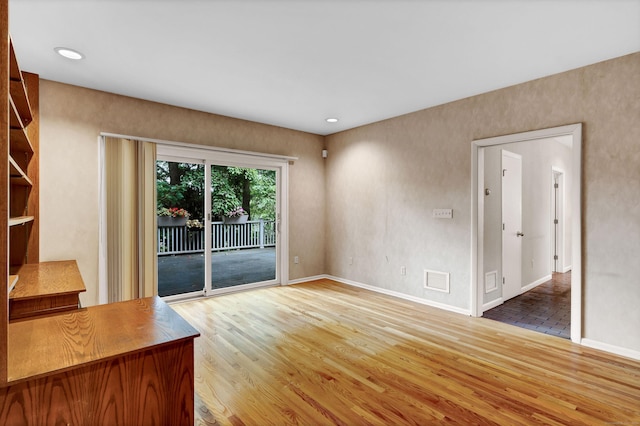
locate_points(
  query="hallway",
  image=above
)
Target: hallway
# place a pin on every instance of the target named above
(546, 308)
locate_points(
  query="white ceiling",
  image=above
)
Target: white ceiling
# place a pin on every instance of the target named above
(293, 63)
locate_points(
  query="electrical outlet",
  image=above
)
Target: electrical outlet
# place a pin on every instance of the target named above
(443, 213)
(296, 259)
(403, 270)
(351, 261)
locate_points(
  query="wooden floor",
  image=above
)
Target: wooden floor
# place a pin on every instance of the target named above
(324, 353)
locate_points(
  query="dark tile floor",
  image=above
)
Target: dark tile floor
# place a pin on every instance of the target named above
(546, 308)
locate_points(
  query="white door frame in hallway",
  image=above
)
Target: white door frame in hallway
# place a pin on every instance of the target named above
(477, 215)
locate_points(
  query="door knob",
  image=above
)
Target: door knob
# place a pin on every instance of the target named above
(519, 234)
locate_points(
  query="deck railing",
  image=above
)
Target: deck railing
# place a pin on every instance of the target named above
(225, 236)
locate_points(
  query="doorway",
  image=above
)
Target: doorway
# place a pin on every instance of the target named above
(221, 221)
(480, 288)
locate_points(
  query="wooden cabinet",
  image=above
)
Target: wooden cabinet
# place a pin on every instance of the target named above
(126, 363)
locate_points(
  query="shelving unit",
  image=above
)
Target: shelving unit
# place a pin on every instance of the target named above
(140, 348)
(23, 167)
(19, 176)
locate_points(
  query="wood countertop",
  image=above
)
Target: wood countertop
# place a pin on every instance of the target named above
(46, 279)
(46, 345)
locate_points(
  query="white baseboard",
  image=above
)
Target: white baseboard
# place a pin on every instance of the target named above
(566, 269)
(535, 284)
(307, 279)
(401, 295)
(629, 353)
(492, 304)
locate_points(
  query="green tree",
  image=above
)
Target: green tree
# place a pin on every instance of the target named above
(181, 185)
(263, 195)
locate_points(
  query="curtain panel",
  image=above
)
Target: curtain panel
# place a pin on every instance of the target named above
(130, 231)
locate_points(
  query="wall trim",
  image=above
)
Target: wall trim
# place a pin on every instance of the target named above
(307, 279)
(536, 283)
(492, 304)
(399, 295)
(617, 350)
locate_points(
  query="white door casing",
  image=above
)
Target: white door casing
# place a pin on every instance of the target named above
(574, 131)
(511, 224)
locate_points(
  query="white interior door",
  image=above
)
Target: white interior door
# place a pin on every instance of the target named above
(511, 224)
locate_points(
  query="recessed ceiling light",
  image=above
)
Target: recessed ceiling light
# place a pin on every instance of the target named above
(69, 53)
(332, 120)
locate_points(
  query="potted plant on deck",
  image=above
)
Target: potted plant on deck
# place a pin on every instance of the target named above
(172, 216)
(237, 215)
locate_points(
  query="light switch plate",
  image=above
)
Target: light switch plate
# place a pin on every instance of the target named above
(443, 213)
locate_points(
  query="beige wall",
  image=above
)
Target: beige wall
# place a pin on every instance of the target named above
(384, 179)
(381, 183)
(71, 120)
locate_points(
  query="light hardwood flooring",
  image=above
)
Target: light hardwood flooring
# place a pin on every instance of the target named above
(324, 353)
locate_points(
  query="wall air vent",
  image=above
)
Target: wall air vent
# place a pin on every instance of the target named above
(436, 280)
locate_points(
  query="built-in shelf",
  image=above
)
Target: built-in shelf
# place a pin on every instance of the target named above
(46, 288)
(14, 69)
(13, 279)
(15, 122)
(19, 97)
(20, 220)
(18, 176)
(18, 90)
(21, 181)
(20, 141)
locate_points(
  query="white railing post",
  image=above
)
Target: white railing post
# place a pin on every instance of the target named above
(261, 233)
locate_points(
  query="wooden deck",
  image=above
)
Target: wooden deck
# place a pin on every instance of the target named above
(324, 353)
(185, 273)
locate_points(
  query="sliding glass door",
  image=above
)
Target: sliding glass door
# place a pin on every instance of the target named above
(243, 247)
(225, 237)
(180, 216)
